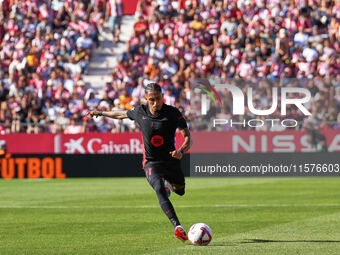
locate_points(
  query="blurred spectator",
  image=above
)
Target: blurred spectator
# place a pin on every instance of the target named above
(114, 13)
(73, 127)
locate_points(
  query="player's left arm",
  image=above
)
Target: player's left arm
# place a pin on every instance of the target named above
(178, 154)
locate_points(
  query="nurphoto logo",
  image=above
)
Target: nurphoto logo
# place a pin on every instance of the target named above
(281, 98)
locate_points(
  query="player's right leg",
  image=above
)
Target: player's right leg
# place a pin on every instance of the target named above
(153, 173)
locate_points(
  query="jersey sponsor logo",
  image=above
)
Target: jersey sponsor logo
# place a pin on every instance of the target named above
(157, 140)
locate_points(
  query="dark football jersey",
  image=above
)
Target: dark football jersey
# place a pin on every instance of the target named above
(158, 130)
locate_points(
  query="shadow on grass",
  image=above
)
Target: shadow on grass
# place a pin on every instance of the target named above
(222, 244)
(287, 241)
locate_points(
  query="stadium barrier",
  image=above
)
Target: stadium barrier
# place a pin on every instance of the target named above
(50, 166)
(204, 142)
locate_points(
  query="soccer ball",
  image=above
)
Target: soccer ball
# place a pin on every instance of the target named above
(200, 234)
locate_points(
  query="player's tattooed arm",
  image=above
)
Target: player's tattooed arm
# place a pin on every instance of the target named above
(185, 146)
(187, 140)
(111, 114)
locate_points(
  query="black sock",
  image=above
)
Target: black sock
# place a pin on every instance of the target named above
(165, 203)
(175, 221)
(169, 211)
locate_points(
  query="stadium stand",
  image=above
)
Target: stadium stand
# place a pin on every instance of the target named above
(272, 41)
(45, 49)
(44, 53)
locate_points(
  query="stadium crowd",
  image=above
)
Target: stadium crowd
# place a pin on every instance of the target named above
(268, 43)
(45, 47)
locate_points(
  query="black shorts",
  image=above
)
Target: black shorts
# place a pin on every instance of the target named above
(168, 170)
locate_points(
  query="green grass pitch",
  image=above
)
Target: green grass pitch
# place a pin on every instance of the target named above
(122, 216)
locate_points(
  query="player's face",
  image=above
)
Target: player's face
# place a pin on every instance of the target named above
(155, 101)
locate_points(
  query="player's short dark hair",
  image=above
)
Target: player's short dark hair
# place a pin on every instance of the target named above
(152, 87)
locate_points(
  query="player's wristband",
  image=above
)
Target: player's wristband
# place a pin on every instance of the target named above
(181, 151)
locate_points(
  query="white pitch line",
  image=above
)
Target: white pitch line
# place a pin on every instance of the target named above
(156, 206)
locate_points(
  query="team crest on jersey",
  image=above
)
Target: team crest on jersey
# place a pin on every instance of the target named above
(157, 140)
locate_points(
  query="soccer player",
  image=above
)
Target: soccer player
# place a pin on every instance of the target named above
(158, 122)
